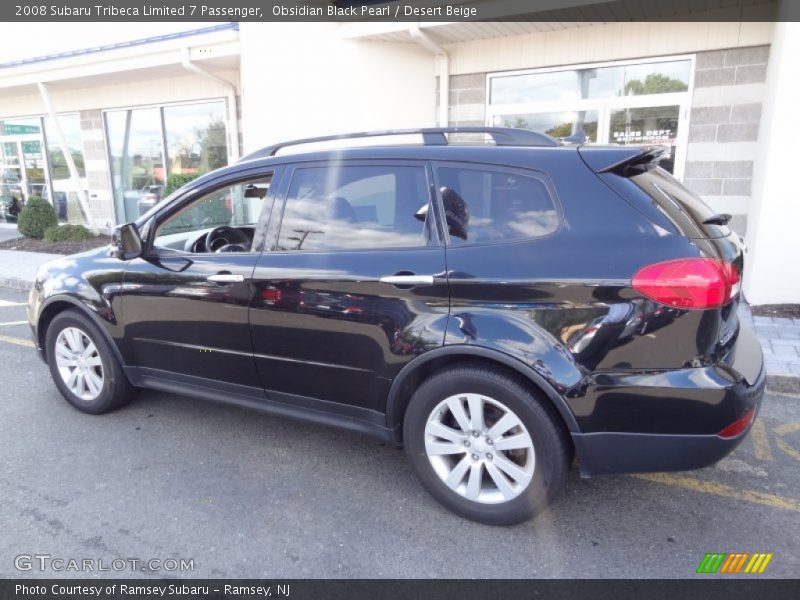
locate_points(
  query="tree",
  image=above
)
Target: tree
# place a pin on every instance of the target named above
(561, 130)
(654, 83)
(518, 123)
(213, 149)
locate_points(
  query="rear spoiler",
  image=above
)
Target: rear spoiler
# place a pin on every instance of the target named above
(623, 160)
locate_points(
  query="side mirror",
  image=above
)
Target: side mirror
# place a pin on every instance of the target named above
(126, 242)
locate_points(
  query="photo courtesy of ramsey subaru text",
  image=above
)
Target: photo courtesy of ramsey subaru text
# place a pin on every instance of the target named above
(497, 302)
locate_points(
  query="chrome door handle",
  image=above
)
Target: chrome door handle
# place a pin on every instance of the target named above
(407, 279)
(225, 278)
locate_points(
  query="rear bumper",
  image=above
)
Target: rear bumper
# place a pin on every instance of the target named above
(741, 389)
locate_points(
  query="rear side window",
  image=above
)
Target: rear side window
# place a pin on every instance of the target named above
(491, 204)
(343, 207)
(666, 202)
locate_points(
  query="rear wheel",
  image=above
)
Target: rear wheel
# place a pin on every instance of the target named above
(83, 365)
(484, 446)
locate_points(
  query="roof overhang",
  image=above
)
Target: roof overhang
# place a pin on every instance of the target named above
(511, 17)
(216, 48)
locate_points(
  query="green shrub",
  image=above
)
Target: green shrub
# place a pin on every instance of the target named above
(177, 180)
(36, 217)
(67, 233)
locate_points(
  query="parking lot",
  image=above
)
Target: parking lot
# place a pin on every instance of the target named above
(242, 494)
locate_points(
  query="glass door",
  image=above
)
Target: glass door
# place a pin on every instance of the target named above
(34, 168)
(23, 161)
(647, 125)
(11, 196)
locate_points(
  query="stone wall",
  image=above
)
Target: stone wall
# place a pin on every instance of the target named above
(468, 100)
(723, 128)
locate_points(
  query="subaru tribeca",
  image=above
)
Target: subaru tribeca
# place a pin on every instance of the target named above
(497, 308)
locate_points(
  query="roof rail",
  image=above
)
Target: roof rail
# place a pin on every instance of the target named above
(431, 136)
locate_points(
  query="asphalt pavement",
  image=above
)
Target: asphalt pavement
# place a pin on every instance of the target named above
(241, 494)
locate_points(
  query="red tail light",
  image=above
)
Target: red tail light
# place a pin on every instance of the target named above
(739, 425)
(688, 283)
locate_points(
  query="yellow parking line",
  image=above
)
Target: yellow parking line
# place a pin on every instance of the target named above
(782, 444)
(719, 489)
(18, 341)
(13, 323)
(758, 434)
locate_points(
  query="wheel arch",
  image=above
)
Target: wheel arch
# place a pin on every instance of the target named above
(419, 369)
(57, 305)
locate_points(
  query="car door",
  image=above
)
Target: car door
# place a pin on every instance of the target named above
(186, 305)
(351, 287)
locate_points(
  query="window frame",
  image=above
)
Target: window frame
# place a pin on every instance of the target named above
(216, 184)
(432, 229)
(537, 174)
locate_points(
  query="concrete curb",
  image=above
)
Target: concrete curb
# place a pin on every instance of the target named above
(783, 384)
(778, 384)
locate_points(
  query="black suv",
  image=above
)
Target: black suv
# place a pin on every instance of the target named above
(497, 308)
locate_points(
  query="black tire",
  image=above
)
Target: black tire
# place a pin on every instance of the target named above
(116, 391)
(551, 445)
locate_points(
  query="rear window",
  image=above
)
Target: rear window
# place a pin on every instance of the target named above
(668, 203)
(484, 205)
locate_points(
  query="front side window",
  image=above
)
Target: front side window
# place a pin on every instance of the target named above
(354, 208)
(495, 205)
(229, 213)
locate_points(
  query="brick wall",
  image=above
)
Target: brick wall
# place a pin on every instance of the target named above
(723, 128)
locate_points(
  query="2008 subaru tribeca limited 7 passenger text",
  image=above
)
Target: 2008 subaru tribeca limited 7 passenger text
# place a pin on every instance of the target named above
(495, 308)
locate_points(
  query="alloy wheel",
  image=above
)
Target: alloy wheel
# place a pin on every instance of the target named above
(79, 363)
(479, 448)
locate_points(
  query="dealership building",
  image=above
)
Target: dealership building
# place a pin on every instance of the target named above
(132, 109)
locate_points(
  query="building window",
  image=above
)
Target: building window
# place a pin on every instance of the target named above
(24, 172)
(146, 145)
(32, 164)
(196, 137)
(626, 103)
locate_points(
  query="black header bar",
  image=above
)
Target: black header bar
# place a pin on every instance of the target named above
(397, 11)
(698, 588)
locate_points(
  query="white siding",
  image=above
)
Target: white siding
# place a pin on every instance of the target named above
(611, 41)
(302, 80)
(134, 90)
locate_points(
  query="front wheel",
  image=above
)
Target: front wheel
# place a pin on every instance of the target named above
(83, 365)
(484, 446)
